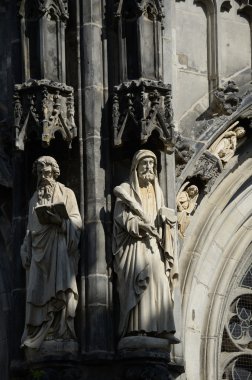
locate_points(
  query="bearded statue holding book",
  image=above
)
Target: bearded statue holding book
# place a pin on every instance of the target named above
(50, 256)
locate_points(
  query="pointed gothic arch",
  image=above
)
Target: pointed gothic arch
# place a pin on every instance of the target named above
(215, 256)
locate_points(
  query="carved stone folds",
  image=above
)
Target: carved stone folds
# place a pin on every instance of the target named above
(141, 107)
(225, 146)
(43, 107)
(186, 205)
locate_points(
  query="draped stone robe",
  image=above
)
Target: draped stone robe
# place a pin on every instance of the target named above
(145, 270)
(50, 255)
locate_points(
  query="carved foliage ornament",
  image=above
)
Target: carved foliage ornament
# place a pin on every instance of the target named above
(53, 9)
(139, 108)
(43, 107)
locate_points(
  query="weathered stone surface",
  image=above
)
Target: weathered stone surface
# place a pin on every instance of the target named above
(139, 109)
(202, 49)
(186, 204)
(50, 257)
(43, 108)
(141, 222)
(43, 35)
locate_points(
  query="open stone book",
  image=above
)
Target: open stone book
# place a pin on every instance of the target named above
(55, 208)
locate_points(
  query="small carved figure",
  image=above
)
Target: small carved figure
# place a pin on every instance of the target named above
(186, 204)
(225, 147)
(50, 255)
(144, 252)
(226, 99)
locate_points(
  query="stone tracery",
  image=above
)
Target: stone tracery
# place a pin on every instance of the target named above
(237, 334)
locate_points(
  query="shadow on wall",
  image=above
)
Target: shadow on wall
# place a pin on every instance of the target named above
(5, 280)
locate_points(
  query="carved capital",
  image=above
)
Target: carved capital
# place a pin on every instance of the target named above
(53, 9)
(141, 107)
(43, 107)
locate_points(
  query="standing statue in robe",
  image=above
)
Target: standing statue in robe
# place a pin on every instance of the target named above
(50, 255)
(144, 252)
(186, 204)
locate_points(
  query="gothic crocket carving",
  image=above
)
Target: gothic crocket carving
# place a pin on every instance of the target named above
(44, 107)
(141, 107)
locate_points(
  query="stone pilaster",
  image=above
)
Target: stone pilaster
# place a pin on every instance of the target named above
(96, 333)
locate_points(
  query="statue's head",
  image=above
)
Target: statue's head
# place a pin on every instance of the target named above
(240, 132)
(47, 170)
(145, 164)
(192, 191)
(145, 169)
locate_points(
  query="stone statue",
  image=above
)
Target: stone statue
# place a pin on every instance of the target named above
(186, 204)
(50, 255)
(144, 252)
(224, 148)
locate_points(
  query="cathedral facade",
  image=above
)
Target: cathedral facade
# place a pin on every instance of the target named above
(90, 83)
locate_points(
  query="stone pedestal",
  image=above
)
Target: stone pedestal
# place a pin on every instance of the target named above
(144, 357)
(53, 349)
(137, 359)
(144, 347)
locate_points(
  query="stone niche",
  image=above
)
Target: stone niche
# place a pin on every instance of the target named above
(43, 26)
(139, 30)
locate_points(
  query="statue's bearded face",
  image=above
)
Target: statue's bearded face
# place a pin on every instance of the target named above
(145, 169)
(45, 175)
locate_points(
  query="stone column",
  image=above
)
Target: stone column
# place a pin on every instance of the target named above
(96, 331)
(19, 221)
(168, 162)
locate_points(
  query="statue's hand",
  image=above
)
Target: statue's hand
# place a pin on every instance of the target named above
(26, 261)
(149, 229)
(168, 215)
(26, 258)
(54, 218)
